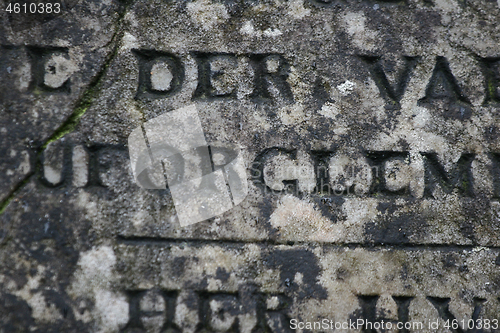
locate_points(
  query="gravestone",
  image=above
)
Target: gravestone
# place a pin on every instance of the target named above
(368, 195)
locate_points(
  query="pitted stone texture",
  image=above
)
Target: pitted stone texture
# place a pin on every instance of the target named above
(395, 102)
(46, 65)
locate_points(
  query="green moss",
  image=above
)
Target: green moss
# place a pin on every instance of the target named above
(88, 96)
(70, 124)
(6, 202)
(465, 185)
(37, 92)
(491, 88)
(84, 103)
(81, 107)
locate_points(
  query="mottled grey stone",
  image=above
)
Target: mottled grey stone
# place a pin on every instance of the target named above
(369, 130)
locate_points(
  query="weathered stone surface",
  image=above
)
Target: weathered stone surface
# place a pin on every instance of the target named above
(370, 135)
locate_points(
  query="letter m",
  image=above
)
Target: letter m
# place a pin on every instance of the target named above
(460, 177)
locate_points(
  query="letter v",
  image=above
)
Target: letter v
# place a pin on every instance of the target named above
(391, 93)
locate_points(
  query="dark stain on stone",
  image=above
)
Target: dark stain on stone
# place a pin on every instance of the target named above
(426, 21)
(221, 274)
(450, 260)
(330, 207)
(191, 301)
(387, 208)
(342, 274)
(197, 285)
(15, 313)
(291, 262)
(266, 208)
(61, 302)
(404, 272)
(497, 260)
(495, 283)
(396, 230)
(178, 266)
(404, 144)
(491, 133)
(467, 230)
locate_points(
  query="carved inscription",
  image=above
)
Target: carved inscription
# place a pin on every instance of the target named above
(51, 69)
(396, 309)
(247, 311)
(65, 164)
(161, 75)
(281, 170)
(371, 173)
(491, 70)
(391, 92)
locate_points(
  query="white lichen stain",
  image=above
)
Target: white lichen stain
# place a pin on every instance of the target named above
(358, 212)
(161, 77)
(185, 317)
(24, 76)
(333, 111)
(52, 175)
(260, 121)
(41, 310)
(298, 278)
(24, 166)
(386, 307)
(248, 29)
(214, 258)
(84, 201)
(131, 19)
(214, 284)
(58, 70)
(282, 167)
(329, 110)
(346, 88)
(273, 302)
(207, 14)
(128, 42)
(297, 10)
(292, 114)
(346, 172)
(94, 279)
(298, 219)
(272, 32)
(447, 5)
(362, 37)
